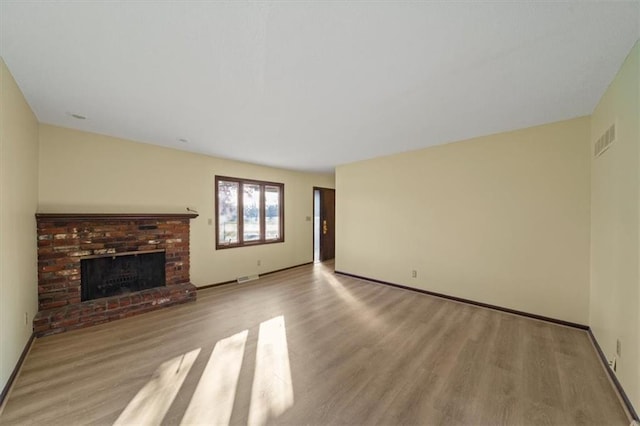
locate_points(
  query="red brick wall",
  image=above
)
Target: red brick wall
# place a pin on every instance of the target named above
(63, 241)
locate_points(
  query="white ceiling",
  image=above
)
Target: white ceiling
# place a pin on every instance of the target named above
(311, 85)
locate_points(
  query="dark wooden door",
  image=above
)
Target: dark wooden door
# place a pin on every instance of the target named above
(327, 224)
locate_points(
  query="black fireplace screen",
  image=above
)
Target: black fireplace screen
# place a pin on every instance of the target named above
(122, 274)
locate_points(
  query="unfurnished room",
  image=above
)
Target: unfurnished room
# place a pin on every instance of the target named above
(319, 212)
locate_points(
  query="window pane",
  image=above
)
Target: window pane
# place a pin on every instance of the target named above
(256, 218)
(272, 212)
(228, 212)
(251, 204)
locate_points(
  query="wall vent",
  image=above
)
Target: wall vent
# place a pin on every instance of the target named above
(604, 142)
(247, 278)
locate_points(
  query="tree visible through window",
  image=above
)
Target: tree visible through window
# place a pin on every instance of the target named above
(249, 212)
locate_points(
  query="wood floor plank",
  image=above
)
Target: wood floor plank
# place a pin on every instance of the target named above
(357, 353)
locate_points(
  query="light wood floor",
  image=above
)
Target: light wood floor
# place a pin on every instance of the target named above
(308, 347)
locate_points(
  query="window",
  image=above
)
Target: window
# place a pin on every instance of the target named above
(249, 212)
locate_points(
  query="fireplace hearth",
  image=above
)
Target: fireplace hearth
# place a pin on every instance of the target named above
(94, 268)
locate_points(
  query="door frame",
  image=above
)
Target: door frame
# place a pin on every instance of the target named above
(332, 230)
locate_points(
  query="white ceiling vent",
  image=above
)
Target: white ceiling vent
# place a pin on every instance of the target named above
(604, 142)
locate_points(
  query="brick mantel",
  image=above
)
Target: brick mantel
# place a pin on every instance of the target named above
(64, 239)
(112, 216)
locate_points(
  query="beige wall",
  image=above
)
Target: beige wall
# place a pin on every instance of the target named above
(615, 226)
(18, 202)
(85, 172)
(502, 219)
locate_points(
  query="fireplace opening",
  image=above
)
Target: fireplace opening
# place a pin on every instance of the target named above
(120, 274)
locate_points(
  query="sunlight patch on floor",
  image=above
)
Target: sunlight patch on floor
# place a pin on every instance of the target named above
(369, 316)
(212, 401)
(152, 402)
(272, 390)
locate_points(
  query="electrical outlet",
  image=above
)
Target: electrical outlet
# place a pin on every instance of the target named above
(618, 348)
(259, 263)
(210, 221)
(26, 318)
(414, 274)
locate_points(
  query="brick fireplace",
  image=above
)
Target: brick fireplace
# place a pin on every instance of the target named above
(66, 240)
